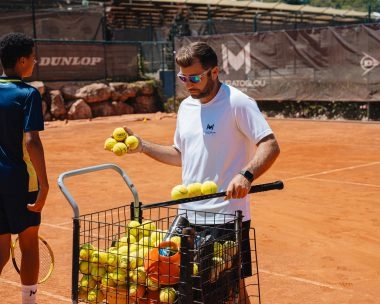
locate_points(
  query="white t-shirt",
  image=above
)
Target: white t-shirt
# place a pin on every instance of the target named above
(216, 141)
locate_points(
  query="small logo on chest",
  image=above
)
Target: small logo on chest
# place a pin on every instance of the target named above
(210, 129)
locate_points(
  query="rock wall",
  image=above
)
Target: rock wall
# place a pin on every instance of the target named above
(85, 101)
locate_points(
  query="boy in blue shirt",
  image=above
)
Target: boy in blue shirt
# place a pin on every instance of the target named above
(23, 180)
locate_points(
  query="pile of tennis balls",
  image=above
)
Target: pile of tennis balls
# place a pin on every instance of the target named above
(119, 269)
(194, 189)
(120, 142)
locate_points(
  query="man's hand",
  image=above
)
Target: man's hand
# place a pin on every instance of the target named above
(139, 148)
(238, 187)
(40, 201)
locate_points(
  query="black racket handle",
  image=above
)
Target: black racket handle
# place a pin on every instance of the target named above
(277, 185)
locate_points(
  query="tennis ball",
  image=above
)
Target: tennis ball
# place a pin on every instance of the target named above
(152, 285)
(127, 262)
(85, 251)
(107, 280)
(138, 275)
(99, 256)
(147, 227)
(195, 269)
(209, 187)
(111, 260)
(109, 143)
(119, 277)
(123, 250)
(156, 236)
(139, 256)
(216, 268)
(230, 248)
(98, 272)
(119, 134)
(194, 189)
(135, 291)
(176, 239)
(132, 229)
(133, 247)
(132, 142)
(95, 296)
(87, 282)
(168, 295)
(178, 192)
(120, 149)
(144, 242)
(218, 249)
(85, 267)
(126, 240)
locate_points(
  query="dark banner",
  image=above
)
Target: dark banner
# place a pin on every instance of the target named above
(81, 61)
(45, 24)
(321, 64)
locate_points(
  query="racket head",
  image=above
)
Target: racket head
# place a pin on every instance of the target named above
(46, 258)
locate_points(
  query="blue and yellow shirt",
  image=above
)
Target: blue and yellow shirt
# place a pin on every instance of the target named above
(20, 112)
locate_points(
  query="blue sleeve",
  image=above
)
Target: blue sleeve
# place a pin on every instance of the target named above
(33, 116)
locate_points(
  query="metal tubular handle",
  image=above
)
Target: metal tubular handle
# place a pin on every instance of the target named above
(85, 170)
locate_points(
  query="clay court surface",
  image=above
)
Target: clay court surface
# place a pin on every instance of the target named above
(318, 240)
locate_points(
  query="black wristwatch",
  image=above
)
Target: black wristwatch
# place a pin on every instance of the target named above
(248, 175)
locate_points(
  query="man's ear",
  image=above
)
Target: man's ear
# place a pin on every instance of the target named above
(215, 72)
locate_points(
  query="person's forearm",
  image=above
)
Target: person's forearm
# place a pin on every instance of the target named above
(266, 154)
(36, 154)
(165, 154)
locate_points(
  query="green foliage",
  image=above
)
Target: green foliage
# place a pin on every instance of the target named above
(171, 105)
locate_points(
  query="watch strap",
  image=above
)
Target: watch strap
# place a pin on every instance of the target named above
(248, 175)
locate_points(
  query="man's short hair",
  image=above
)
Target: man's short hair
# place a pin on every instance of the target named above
(13, 46)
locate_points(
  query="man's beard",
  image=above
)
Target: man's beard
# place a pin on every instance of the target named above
(206, 90)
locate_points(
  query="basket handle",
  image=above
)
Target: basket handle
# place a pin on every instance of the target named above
(70, 198)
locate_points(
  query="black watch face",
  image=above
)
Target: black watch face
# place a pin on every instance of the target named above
(248, 175)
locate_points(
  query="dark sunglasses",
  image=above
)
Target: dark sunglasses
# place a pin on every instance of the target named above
(192, 78)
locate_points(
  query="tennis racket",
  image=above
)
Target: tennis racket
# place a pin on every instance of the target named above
(46, 258)
(277, 185)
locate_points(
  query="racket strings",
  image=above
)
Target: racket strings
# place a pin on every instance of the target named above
(46, 262)
(46, 259)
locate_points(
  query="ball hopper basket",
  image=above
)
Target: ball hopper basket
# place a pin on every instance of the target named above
(192, 270)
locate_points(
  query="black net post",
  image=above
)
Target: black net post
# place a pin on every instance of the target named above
(185, 288)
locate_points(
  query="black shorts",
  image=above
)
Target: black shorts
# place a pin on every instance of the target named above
(14, 214)
(223, 232)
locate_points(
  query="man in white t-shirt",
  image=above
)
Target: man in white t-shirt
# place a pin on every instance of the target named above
(221, 136)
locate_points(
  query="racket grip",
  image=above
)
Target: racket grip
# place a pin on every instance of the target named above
(277, 185)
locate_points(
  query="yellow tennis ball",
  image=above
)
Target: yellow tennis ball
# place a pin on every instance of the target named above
(132, 142)
(119, 134)
(109, 143)
(194, 189)
(178, 192)
(132, 229)
(119, 149)
(168, 295)
(209, 187)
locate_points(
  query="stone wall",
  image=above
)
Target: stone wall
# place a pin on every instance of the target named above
(69, 101)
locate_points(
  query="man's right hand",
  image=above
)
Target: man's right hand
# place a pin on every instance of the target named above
(139, 148)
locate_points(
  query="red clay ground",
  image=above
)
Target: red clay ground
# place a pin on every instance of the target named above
(318, 239)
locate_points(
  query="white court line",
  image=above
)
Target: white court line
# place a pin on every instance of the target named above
(342, 182)
(334, 170)
(302, 280)
(45, 293)
(59, 226)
